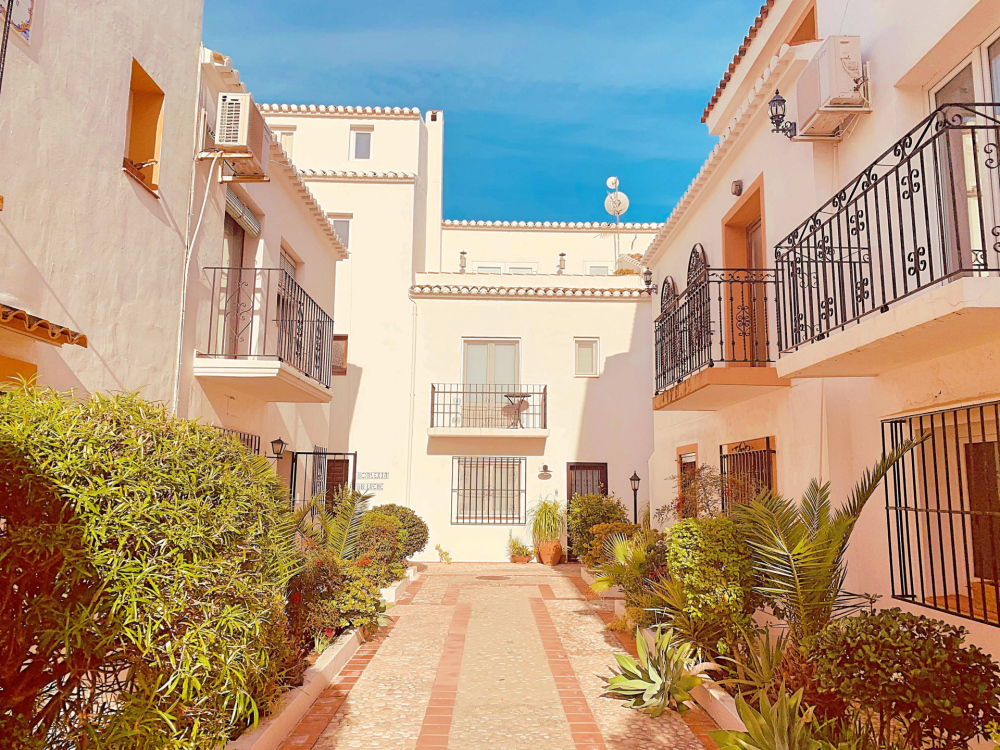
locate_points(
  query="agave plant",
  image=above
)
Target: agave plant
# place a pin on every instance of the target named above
(759, 666)
(334, 525)
(798, 548)
(784, 725)
(660, 678)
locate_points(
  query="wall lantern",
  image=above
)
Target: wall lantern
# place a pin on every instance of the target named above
(737, 188)
(776, 111)
(278, 447)
(634, 479)
(647, 277)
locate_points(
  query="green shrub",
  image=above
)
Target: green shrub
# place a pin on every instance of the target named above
(382, 537)
(359, 603)
(319, 582)
(144, 558)
(417, 532)
(909, 673)
(599, 534)
(587, 511)
(711, 566)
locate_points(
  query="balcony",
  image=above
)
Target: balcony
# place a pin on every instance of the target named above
(899, 266)
(475, 410)
(266, 337)
(713, 341)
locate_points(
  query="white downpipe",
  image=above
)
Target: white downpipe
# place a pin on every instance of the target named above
(413, 397)
(188, 253)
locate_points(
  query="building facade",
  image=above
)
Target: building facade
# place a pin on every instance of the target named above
(826, 296)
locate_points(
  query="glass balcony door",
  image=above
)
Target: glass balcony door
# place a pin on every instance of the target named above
(491, 379)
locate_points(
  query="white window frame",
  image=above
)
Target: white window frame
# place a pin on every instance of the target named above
(589, 265)
(355, 129)
(532, 266)
(979, 58)
(282, 131)
(577, 340)
(349, 218)
(477, 267)
(491, 340)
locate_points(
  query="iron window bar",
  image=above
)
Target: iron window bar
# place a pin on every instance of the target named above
(943, 511)
(248, 439)
(488, 490)
(473, 405)
(263, 313)
(747, 469)
(925, 212)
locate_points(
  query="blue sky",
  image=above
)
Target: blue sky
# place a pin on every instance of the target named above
(543, 101)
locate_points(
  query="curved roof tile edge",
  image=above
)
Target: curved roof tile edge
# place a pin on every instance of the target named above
(339, 110)
(553, 225)
(15, 317)
(348, 175)
(524, 292)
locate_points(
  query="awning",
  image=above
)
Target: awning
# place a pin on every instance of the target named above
(20, 321)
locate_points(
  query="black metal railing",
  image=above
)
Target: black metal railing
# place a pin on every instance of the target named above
(508, 407)
(314, 473)
(723, 317)
(251, 441)
(924, 212)
(488, 490)
(943, 511)
(262, 313)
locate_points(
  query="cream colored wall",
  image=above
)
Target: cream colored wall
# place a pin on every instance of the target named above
(832, 427)
(81, 243)
(604, 419)
(538, 245)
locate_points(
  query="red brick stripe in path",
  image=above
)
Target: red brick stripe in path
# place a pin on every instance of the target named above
(441, 707)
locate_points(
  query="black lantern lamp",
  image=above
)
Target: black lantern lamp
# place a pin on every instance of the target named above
(647, 277)
(278, 447)
(634, 479)
(776, 111)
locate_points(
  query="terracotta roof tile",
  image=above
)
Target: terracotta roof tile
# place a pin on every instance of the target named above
(18, 320)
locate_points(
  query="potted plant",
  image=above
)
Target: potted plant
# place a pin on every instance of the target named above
(547, 521)
(518, 551)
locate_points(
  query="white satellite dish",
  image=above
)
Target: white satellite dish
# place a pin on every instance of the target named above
(612, 183)
(616, 203)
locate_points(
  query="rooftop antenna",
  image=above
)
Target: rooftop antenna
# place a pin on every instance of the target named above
(615, 204)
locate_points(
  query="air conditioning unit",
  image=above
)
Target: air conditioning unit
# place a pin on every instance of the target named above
(832, 89)
(241, 132)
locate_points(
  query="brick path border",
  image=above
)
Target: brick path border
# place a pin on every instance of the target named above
(436, 727)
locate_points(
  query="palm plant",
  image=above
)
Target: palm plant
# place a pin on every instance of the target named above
(703, 633)
(759, 667)
(547, 521)
(798, 549)
(334, 525)
(624, 565)
(660, 678)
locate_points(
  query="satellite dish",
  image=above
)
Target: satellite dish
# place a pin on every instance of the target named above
(612, 183)
(616, 203)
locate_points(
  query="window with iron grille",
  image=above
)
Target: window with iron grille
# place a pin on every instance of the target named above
(747, 469)
(943, 511)
(488, 490)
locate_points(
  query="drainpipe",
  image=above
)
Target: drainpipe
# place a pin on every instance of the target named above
(413, 398)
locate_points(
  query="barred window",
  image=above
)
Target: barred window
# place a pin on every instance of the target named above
(488, 490)
(747, 469)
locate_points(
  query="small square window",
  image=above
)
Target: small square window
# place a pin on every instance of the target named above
(484, 268)
(342, 226)
(143, 128)
(287, 140)
(587, 357)
(598, 269)
(361, 144)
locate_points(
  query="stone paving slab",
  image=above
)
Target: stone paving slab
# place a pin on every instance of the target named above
(484, 656)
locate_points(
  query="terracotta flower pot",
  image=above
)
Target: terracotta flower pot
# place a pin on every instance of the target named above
(550, 553)
(520, 558)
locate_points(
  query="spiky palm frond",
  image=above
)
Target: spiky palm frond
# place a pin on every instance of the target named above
(871, 479)
(624, 563)
(335, 529)
(815, 511)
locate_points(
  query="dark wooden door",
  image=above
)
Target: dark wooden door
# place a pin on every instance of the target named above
(337, 475)
(584, 479)
(982, 463)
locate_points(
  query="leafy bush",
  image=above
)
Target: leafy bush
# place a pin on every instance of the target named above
(587, 511)
(318, 583)
(417, 532)
(713, 569)
(599, 534)
(359, 603)
(145, 559)
(516, 546)
(910, 673)
(381, 537)
(629, 562)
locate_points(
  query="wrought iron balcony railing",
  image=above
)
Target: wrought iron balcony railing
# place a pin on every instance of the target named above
(723, 317)
(262, 313)
(508, 407)
(926, 211)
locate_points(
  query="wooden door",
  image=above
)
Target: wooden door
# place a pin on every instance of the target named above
(982, 464)
(584, 479)
(337, 476)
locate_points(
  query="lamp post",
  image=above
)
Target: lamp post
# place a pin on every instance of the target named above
(634, 479)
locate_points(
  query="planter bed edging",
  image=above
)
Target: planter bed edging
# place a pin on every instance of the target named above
(273, 730)
(718, 704)
(391, 594)
(615, 592)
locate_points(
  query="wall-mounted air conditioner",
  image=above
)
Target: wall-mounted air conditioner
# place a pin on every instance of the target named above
(241, 132)
(833, 89)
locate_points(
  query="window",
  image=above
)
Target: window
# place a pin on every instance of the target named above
(287, 263)
(342, 226)
(943, 509)
(143, 128)
(488, 268)
(361, 143)
(339, 356)
(687, 489)
(286, 137)
(598, 269)
(587, 357)
(521, 268)
(806, 31)
(488, 490)
(747, 469)
(492, 362)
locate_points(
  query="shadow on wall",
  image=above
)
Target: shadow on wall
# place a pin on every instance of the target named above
(616, 424)
(345, 401)
(504, 446)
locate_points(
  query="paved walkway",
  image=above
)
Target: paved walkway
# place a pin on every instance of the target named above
(485, 656)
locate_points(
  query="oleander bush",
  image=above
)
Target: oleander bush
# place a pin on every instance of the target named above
(587, 511)
(599, 535)
(144, 561)
(417, 532)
